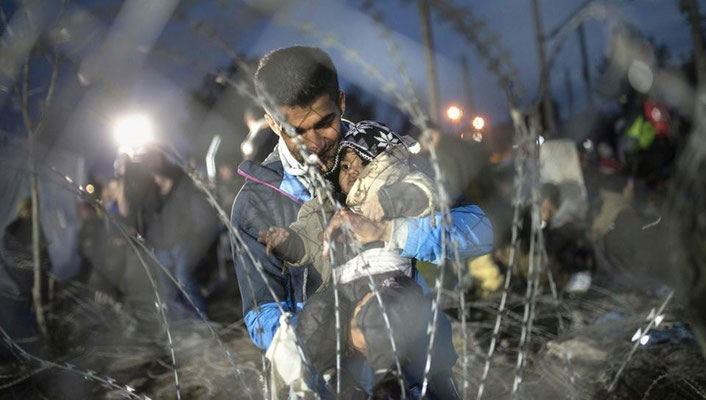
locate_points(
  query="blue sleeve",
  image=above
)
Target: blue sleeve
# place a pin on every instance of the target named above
(471, 230)
(262, 322)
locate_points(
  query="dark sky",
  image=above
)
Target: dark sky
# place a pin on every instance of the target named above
(183, 58)
(255, 34)
(511, 19)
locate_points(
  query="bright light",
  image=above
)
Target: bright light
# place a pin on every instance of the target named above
(478, 137)
(246, 148)
(478, 123)
(540, 140)
(454, 113)
(132, 132)
(90, 189)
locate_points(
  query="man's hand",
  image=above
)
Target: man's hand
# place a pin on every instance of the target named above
(272, 237)
(363, 229)
(371, 208)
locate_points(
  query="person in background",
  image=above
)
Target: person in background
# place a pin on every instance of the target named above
(260, 140)
(182, 230)
(227, 186)
(565, 240)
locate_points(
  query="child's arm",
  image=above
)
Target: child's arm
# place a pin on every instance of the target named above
(300, 244)
(411, 197)
(308, 228)
(284, 242)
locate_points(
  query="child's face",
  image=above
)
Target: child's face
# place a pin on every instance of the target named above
(351, 167)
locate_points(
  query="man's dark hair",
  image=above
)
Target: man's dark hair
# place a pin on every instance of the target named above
(295, 76)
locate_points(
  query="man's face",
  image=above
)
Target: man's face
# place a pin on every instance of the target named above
(318, 126)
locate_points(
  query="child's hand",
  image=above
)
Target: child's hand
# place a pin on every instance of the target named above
(363, 229)
(371, 208)
(272, 237)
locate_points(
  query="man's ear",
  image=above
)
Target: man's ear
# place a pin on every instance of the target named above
(341, 101)
(271, 123)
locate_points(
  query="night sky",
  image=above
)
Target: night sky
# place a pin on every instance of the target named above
(179, 59)
(658, 19)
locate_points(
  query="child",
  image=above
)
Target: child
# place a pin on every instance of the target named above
(374, 175)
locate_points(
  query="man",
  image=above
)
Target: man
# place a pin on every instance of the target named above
(299, 87)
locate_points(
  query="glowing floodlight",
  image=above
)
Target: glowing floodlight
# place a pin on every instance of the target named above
(454, 113)
(478, 123)
(247, 148)
(132, 132)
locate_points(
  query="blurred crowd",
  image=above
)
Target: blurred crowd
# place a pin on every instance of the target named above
(158, 199)
(603, 199)
(149, 196)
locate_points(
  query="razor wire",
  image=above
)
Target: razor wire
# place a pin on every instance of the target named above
(421, 120)
(486, 42)
(502, 303)
(535, 253)
(410, 107)
(108, 382)
(598, 10)
(418, 118)
(159, 304)
(320, 184)
(641, 337)
(522, 140)
(161, 311)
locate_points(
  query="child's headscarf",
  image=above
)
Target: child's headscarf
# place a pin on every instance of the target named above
(370, 138)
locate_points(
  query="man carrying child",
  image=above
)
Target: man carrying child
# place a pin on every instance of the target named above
(299, 88)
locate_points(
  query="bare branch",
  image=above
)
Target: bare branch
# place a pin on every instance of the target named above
(50, 90)
(26, 117)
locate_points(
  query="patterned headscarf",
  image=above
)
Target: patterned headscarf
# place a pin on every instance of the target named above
(370, 138)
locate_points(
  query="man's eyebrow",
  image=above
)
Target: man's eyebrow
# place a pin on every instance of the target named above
(325, 121)
(321, 123)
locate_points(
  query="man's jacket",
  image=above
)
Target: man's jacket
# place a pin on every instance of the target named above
(271, 197)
